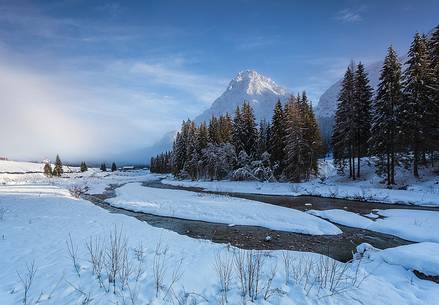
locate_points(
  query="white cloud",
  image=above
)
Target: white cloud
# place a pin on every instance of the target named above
(349, 15)
(202, 87)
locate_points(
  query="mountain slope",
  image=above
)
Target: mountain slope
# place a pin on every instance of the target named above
(328, 100)
(260, 91)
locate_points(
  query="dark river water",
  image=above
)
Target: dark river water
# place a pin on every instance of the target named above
(339, 246)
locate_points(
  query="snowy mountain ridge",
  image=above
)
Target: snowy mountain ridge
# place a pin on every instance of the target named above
(260, 91)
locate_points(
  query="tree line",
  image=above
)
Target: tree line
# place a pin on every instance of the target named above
(398, 124)
(286, 148)
(57, 170)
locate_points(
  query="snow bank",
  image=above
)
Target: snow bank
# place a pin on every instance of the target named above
(423, 257)
(39, 218)
(218, 209)
(423, 191)
(414, 225)
(19, 167)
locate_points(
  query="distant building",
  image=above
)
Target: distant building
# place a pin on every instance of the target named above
(127, 168)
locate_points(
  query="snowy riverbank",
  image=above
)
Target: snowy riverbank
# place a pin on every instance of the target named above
(42, 225)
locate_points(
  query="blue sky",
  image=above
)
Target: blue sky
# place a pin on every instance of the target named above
(115, 76)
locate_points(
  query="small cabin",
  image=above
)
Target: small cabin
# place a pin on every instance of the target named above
(127, 168)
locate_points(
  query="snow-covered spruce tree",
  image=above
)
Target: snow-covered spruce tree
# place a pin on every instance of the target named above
(218, 160)
(225, 128)
(416, 99)
(342, 134)
(311, 132)
(277, 136)
(263, 137)
(214, 130)
(361, 111)
(302, 140)
(83, 167)
(113, 167)
(250, 131)
(47, 169)
(192, 157)
(103, 167)
(295, 150)
(57, 170)
(386, 117)
(433, 106)
(238, 130)
(179, 149)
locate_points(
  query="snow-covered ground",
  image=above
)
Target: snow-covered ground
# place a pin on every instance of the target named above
(39, 217)
(411, 225)
(409, 190)
(218, 209)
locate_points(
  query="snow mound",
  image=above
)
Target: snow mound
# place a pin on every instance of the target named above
(423, 257)
(19, 167)
(413, 225)
(218, 209)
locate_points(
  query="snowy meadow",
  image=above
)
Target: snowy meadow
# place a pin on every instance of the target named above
(57, 248)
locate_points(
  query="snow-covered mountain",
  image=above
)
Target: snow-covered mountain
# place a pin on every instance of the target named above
(260, 91)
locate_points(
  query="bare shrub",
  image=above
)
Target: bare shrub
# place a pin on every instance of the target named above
(73, 254)
(159, 267)
(332, 275)
(176, 275)
(125, 269)
(325, 275)
(248, 266)
(139, 252)
(268, 290)
(114, 255)
(138, 271)
(26, 279)
(95, 249)
(224, 268)
(2, 213)
(85, 297)
(287, 262)
(76, 191)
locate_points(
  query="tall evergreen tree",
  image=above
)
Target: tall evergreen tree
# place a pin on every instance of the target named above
(47, 169)
(180, 148)
(250, 131)
(277, 137)
(238, 131)
(214, 130)
(103, 167)
(225, 128)
(433, 105)
(264, 137)
(343, 135)
(361, 112)
(113, 167)
(297, 150)
(311, 131)
(83, 167)
(386, 117)
(416, 98)
(202, 137)
(58, 170)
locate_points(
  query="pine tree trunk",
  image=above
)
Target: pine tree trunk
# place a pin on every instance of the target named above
(389, 181)
(392, 156)
(353, 163)
(415, 161)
